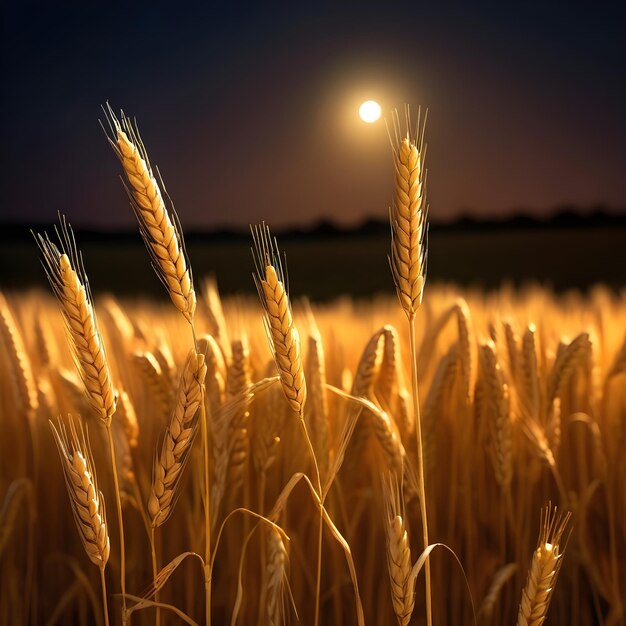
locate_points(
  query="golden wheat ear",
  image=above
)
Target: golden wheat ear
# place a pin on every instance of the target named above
(544, 568)
(273, 287)
(86, 499)
(66, 273)
(401, 575)
(409, 215)
(176, 447)
(158, 223)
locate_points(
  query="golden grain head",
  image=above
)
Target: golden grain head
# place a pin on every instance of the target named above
(282, 333)
(408, 215)
(67, 277)
(87, 502)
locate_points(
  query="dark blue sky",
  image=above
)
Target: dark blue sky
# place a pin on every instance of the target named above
(251, 112)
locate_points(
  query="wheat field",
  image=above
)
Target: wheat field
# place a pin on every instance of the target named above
(445, 457)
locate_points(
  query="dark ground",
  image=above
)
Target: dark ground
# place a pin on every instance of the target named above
(324, 267)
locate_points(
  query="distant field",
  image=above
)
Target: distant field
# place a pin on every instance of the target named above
(327, 267)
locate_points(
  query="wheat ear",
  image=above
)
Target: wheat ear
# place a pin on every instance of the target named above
(150, 370)
(159, 226)
(239, 377)
(566, 362)
(215, 317)
(68, 280)
(408, 215)
(20, 366)
(544, 569)
(128, 419)
(317, 418)
(276, 577)
(271, 283)
(86, 499)
(177, 442)
(499, 415)
(398, 554)
(365, 377)
(82, 486)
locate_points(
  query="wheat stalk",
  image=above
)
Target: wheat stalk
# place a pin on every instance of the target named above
(271, 283)
(544, 569)
(177, 442)
(65, 271)
(159, 226)
(408, 260)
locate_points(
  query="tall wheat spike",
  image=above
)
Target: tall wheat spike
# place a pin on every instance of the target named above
(271, 283)
(408, 260)
(66, 273)
(409, 211)
(179, 436)
(159, 226)
(544, 569)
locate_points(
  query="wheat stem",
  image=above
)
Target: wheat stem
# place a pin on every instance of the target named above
(318, 583)
(207, 509)
(420, 465)
(105, 607)
(118, 502)
(155, 571)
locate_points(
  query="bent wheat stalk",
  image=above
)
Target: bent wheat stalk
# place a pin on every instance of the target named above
(408, 260)
(270, 280)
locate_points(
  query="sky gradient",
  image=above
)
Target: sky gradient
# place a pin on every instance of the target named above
(251, 113)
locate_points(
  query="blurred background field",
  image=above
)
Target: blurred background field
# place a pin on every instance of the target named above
(326, 265)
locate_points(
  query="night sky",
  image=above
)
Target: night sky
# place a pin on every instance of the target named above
(251, 113)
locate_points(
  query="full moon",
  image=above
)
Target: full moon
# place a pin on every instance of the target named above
(370, 111)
